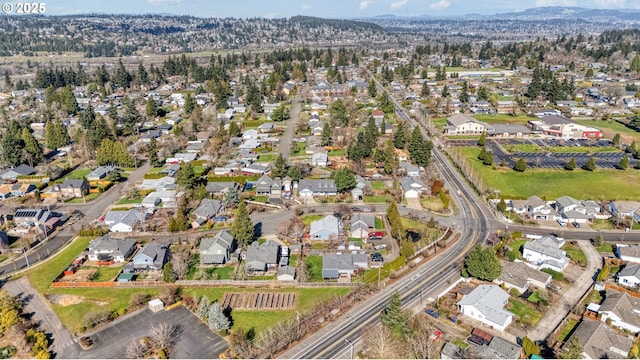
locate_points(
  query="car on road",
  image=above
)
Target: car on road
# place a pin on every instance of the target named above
(376, 235)
(380, 247)
(355, 209)
(221, 218)
(377, 257)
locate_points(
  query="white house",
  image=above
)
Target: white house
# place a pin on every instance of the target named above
(629, 276)
(545, 253)
(325, 229)
(518, 275)
(412, 187)
(486, 304)
(460, 124)
(623, 310)
(124, 221)
(319, 159)
(629, 253)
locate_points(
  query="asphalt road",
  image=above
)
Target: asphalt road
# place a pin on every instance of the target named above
(92, 211)
(287, 137)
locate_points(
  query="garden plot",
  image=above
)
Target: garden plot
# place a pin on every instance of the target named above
(259, 301)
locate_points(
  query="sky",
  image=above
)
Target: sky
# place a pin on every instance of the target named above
(320, 8)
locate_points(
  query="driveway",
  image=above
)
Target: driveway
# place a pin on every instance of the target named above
(194, 341)
(414, 203)
(571, 296)
(42, 313)
(287, 137)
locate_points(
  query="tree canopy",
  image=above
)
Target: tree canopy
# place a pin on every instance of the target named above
(482, 263)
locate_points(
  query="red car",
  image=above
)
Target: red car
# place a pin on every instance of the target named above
(376, 235)
(436, 335)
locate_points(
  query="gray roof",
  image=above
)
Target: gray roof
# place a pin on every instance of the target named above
(519, 274)
(489, 300)
(598, 341)
(362, 221)
(632, 250)
(630, 270)
(333, 264)
(157, 253)
(115, 247)
(170, 169)
(623, 305)
(555, 120)
(451, 351)
(208, 208)
(328, 223)
(508, 128)
(500, 348)
(411, 183)
(287, 270)
(129, 217)
(74, 184)
(459, 119)
(258, 256)
(216, 187)
(318, 186)
(546, 245)
(100, 172)
(213, 250)
(565, 201)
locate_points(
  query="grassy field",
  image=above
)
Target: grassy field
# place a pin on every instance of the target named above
(567, 328)
(440, 122)
(376, 198)
(107, 273)
(300, 150)
(411, 224)
(432, 203)
(379, 223)
(223, 273)
(377, 185)
(526, 313)
(504, 119)
(606, 248)
(582, 149)
(80, 200)
(612, 127)
(526, 148)
(551, 184)
(314, 263)
(266, 157)
(127, 201)
(337, 153)
(78, 174)
(575, 254)
(601, 224)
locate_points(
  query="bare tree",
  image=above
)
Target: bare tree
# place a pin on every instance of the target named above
(163, 336)
(136, 349)
(378, 343)
(180, 262)
(343, 211)
(420, 345)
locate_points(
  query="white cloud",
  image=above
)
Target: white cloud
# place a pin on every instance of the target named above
(164, 2)
(398, 4)
(442, 4)
(365, 4)
(306, 7)
(540, 3)
(609, 3)
(270, 15)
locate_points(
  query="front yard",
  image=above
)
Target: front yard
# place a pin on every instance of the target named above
(575, 254)
(527, 315)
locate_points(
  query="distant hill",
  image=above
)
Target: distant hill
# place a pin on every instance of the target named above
(568, 13)
(344, 25)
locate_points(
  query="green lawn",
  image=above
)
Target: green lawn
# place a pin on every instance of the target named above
(576, 255)
(517, 245)
(266, 157)
(80, 200)
(552, 184)
(223, 273)
(377, 185)
(525, 148)
(337, 153)
(526, 313)
(107, 273)
(606, 248)
(601, 224)
(460, 343)
(155, 170)
(379, 223)
(78, 174)
(307, 219)
(293, 260)
(440, 122)
(534, 297)
(411, 224)
(567, 328)
(504, 119)
(258, 198)
(612, 126)
(582, 149)
(127, 201)
(314, 263)
(376, 199)
(301, 146)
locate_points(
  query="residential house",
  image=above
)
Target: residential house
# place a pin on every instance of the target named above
(217, 188)
(286, 273)
(31, 217)
(319, 159)
(598, 341)
(218, 249)
(508, 131)
(100, 173)
(20, 170)
(545, 253)
(267, 186)
(577, 211)
(461, 124)
(451, 351)
(168, 199)
(124, 220)
(165, 182)
(254, 169)
(170, 170)
(74, 188)
(336, 265)
(151, 257)
(308, 188)
(519, 276)
(262, 257)
(629, 276)
(534, 207)
(326, 228)
(622, 309)
(15, 190)
(412, 187)
(266, 127)
(409, 169)
(207, 210)
(486, 304)
(106, 248)
(628, 253)
(500, 348)
(361, 224)
(624, 209)
(181, 158)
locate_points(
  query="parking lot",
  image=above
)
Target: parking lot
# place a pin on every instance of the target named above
(195, 339)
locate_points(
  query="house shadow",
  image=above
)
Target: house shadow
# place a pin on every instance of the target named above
(257, 230)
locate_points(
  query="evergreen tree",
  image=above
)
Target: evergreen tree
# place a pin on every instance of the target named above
(425, 92)
(590, 165)
(635, 63)
(572, 349)
(616, 140)
(152, 153)
(501, 206)
(230, 198)
(419, 148)
(294, 173)
(483, 94)
(327, 133)
(279, 167)
(242, 228)
(168, 275)
(68, 101)
(393, 215)
(624, 163)
(390, 159)
(122, 78)
(520, 165)
(216, 319)
(482, 263)
(189, 103)
(445, 91)
(373, 90)
(464, 94)
(234, 130)
(151, 109)
(399, 137)
(186, 176)
(483, 139)
(529, 347)
(344, 179)
(12, 144)
(281, 113)
(394, 317)
(31, 146)
(203, 307)
(571, 165)
(338, 112)
(488, 158)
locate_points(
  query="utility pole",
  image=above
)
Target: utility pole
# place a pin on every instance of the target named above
(351, 344)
